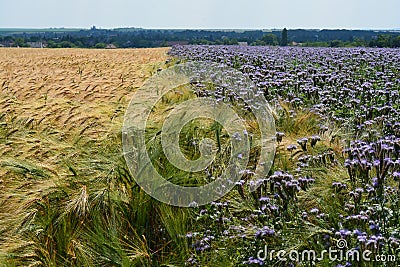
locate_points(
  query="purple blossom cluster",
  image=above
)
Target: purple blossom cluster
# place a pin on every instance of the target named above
(373, 162)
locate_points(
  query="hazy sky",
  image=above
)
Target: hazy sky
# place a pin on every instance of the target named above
(210, 14)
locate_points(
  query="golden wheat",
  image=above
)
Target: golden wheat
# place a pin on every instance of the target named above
(68, 90)
(53, 102)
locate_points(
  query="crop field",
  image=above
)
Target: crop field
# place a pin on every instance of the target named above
(61, 118)
(68, 198)
(335, 179)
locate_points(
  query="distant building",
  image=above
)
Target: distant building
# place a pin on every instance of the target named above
(243, 43)
(110, 46)
(296, 44)
(36, 44)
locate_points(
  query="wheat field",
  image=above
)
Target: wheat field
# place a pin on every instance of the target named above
(61, 113)
(68, 91)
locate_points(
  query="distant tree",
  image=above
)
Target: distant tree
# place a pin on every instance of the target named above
(258, 43)
(284, 40)
(383, 40)
(66, 44)
(9, 39)
(396, 41)
(228, 41)
(51, 44)
(20, 42)
(34, 39)
(100, 45)
(79, 44)
(335, 43)
(270, 39)
(203, 41)
(359, 42)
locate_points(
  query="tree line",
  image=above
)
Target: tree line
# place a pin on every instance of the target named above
(137, 38)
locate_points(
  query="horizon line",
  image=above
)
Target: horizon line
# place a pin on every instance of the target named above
(205, 29)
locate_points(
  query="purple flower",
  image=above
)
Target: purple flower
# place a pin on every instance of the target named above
(264, 199)
(314, 140)
(314, 210)
(343, 233)
(253, 260)
(359, 190)
(189, 235)
(303, 143)
(279, 136)
(265, 231)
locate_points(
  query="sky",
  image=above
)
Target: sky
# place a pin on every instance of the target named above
(201, 14)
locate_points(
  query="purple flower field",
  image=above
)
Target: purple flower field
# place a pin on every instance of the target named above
(336, 174)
